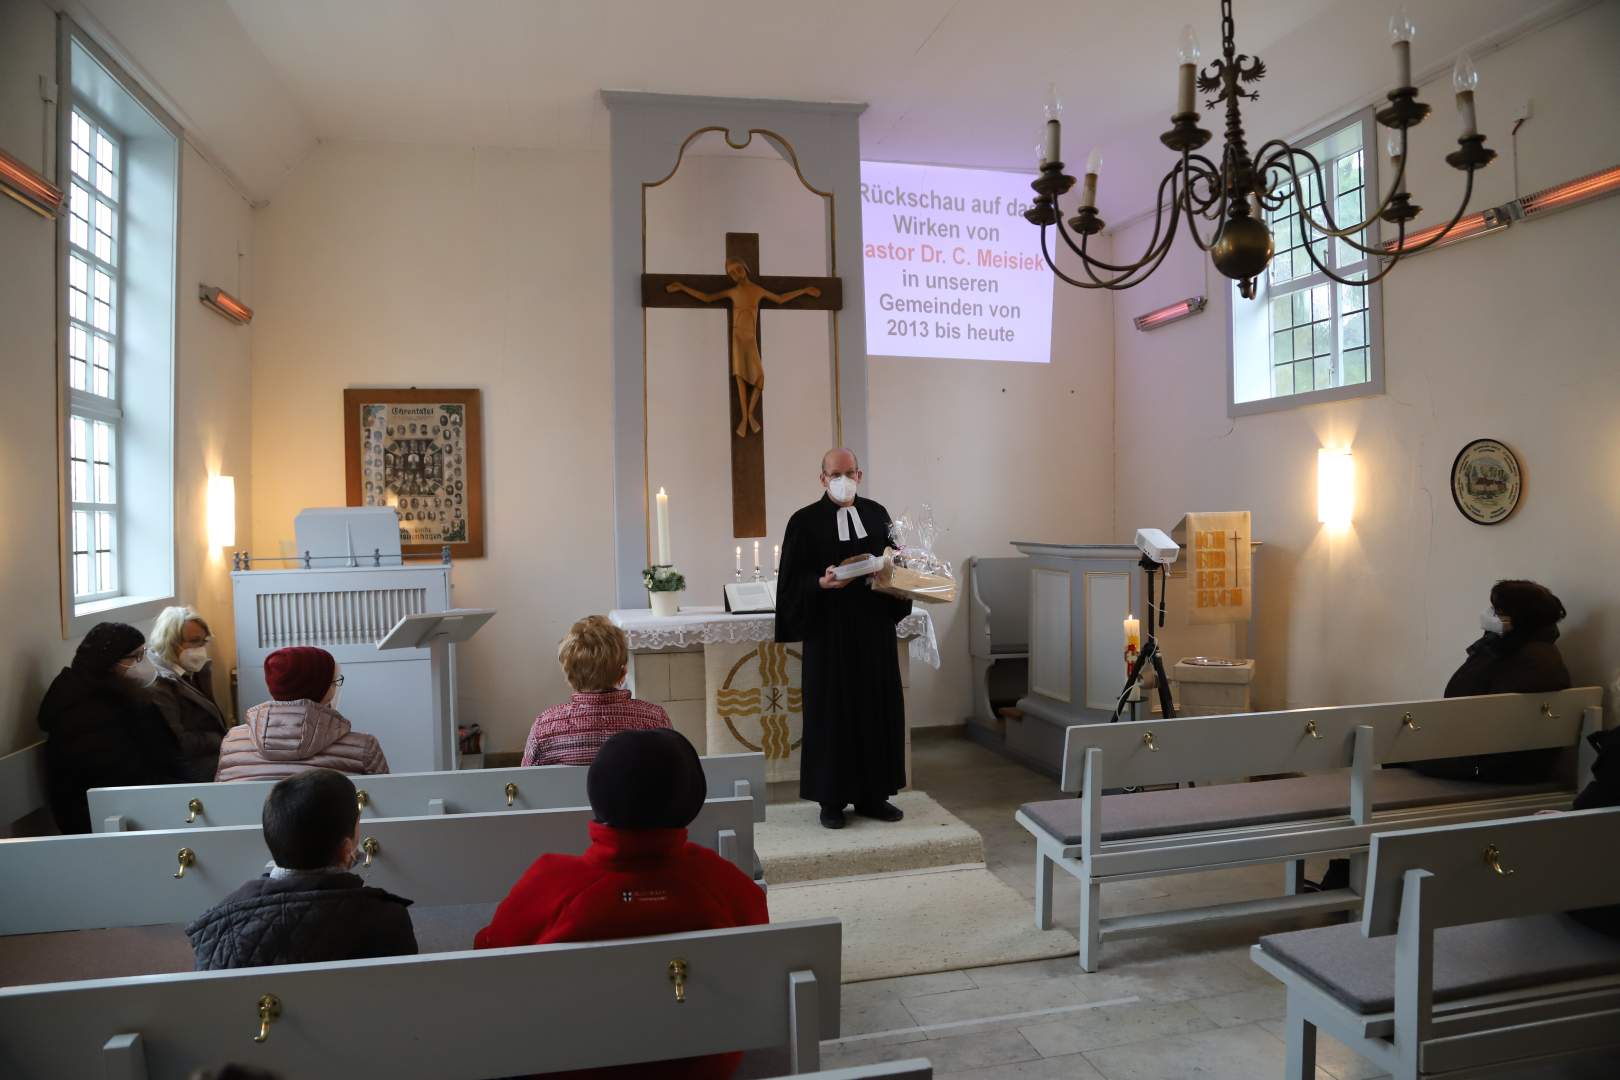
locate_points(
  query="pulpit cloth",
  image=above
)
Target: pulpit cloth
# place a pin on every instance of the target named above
(697, 626)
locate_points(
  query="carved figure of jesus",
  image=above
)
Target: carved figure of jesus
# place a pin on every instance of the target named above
(746, 366)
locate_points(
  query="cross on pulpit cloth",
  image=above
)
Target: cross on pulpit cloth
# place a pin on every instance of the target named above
(742, 291)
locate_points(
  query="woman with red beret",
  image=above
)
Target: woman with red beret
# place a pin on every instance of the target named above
(300, 729)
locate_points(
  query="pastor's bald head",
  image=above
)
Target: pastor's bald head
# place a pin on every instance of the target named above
(839, 462)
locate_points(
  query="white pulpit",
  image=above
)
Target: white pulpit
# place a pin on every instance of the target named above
(347, 611)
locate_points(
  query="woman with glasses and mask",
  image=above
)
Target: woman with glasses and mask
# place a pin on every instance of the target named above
(299, 728)
(101, 727)
(184, 689)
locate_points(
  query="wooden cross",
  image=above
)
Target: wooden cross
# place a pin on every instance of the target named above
(741, 288)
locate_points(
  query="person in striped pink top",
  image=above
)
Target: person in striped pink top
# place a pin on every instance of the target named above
(595, 658)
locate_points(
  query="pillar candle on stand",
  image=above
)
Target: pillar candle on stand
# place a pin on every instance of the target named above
(663, 529)
(739, 558)
(1133, 639)
(776, 558)
(756, 556)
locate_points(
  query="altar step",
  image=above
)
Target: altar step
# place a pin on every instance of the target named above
(793, 846)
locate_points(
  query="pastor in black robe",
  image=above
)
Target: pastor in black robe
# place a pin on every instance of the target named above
(854, 710)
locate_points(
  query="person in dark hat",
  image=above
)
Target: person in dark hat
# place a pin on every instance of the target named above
(101, 729)
(1517, 653)
(640, 875)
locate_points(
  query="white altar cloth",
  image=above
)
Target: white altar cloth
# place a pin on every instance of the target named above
(692, 627)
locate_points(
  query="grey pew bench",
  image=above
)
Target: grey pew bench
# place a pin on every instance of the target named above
(105, 904)
(543, 787)
(449, 1016)
(1332, 810)
(910, 1069)
(1462, 963)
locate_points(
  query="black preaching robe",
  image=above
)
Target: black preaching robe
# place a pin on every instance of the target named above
(854, 711)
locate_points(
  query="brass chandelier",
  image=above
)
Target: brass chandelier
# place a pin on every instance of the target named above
(1236, 192)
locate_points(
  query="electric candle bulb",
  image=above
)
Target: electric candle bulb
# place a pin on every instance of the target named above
(1187, 57)
(1393, 147)
(1465, 78)
(1088, 192)
(1401, 32)
(1051, 137)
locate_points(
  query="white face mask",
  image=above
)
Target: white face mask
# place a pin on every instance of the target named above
(1491, 622)
(194, 659)
(142, 673)
(841, 488)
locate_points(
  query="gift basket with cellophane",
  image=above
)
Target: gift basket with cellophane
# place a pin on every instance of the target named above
(912, 570)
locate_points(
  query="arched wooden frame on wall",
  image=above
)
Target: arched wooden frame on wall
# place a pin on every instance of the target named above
(784, 147)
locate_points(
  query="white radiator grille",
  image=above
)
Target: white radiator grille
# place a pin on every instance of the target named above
(351, 617)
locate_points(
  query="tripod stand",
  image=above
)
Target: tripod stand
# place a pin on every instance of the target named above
(1150, 651)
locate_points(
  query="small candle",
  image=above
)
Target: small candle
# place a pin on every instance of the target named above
(739, 558)
(1401, 32)
(1088, 186)
(1133, 634)
(663, 529)
(1464, 79)
(1051, 133)
(776, 558)
(1187, 58)
(756, 554)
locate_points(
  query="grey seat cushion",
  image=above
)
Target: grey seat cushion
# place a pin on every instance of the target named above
(1266, 802)
(1468, 960)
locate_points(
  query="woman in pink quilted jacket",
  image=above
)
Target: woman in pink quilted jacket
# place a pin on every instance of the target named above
(300, 729)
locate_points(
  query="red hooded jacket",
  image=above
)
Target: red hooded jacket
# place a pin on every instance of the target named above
(629, 883)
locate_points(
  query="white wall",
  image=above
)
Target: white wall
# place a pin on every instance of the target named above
(1509, 336)
(390, 265)
(211, 391)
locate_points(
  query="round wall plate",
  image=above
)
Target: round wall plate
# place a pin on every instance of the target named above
(1486, 482)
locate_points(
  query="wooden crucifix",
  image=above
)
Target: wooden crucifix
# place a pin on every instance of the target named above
(742, 290)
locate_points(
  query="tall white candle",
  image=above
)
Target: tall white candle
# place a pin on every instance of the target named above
(776, 558)
(663, 529)
(756, 554)
(739, 558)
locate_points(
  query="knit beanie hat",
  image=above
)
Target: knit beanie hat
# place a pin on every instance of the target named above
(646, 780)
(299, 672)
(105, 645)
(1531, 606)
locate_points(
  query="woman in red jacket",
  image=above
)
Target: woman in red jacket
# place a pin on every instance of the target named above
(640, 876)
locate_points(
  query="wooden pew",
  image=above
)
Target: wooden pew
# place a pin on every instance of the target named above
(545, 787)
(1461, 963)
(136, 879)
(1326, 812)
(497, 1012)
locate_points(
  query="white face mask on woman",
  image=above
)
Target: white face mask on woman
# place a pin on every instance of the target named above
(841, 488)
(142, 672)
(194, 659)
(1491, 622)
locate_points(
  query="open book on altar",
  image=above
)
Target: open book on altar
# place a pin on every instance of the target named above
(750, 597)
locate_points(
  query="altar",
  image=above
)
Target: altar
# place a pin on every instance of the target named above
(729, 687)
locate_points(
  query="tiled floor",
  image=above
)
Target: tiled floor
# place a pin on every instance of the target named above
(1179, 1004)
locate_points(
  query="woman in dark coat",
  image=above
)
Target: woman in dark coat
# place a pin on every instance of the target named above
(184, 690)
(1517, 654)
(101, 730)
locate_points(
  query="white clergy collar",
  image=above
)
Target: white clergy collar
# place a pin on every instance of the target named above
(847, 517)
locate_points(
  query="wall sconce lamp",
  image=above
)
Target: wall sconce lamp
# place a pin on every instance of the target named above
(29, 187)
(1177, 311)
(221, 511)
(225, 304)
(1335, 487)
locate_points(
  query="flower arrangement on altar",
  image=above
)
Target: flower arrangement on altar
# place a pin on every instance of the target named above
(663, 579)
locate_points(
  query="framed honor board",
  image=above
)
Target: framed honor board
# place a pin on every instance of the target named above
(1486, 482)
(422, 453)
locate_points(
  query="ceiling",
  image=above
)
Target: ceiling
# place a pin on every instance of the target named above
(259, 82)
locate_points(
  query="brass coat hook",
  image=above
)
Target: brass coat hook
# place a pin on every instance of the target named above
(187, 857)
(1147, 741)
(511, 792)
(370, 846)
(193, 808)
(1409, 722)
(1547, 713)
(269, 1013)
(677, 975)
(1493, 859)
(361, 799)
(1310, 729)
